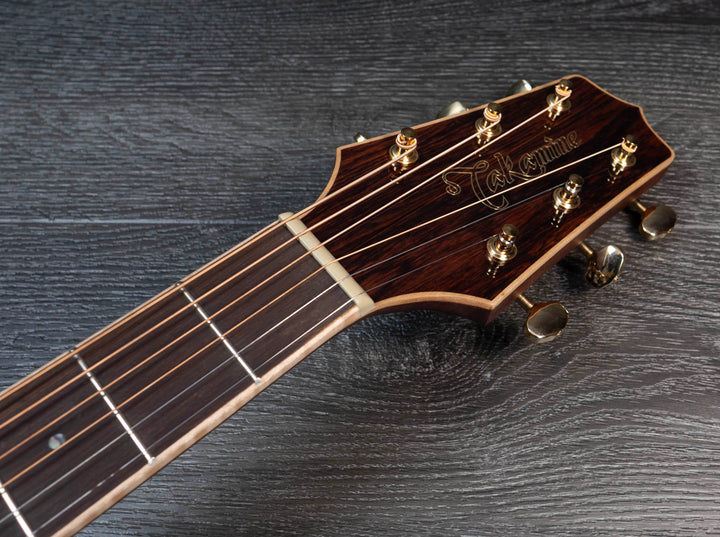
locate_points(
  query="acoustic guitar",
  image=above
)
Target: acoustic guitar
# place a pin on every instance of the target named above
(460, 214)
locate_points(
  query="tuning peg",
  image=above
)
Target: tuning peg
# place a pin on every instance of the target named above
(359, 137)
(545, 321)
(501, 248)
(455, 107)
(521, 86)
(656, 221)
(604, 265)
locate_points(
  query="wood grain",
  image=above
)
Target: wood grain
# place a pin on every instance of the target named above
(139, 141)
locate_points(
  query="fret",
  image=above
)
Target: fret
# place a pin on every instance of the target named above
(220, 335)
(114, 410)
(15, 511)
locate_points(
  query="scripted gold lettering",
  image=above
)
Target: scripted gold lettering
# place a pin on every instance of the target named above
(488, 184)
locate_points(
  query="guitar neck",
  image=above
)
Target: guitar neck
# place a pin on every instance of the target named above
(99, 420)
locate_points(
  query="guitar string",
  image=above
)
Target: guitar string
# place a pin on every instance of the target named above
(80, 348)
(246, 377)
(293, 313)
(106, 358)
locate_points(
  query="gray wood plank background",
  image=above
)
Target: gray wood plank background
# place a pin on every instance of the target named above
(139, 140)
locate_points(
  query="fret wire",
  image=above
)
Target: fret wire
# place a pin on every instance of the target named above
(115, 411)
(196, 382)
(15, 511)
(221, 336)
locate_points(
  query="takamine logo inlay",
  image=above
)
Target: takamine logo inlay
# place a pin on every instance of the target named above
(486, 181)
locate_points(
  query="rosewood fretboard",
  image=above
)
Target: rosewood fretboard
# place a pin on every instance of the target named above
(99, 420)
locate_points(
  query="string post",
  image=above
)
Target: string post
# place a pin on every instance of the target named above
(622, 157)
(566, 198)
(406, 145)
(559, 100)
(488, 126)
(501, 248)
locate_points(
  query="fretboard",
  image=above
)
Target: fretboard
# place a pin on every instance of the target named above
(82, 432)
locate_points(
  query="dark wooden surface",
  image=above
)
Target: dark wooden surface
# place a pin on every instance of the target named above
(139, 141)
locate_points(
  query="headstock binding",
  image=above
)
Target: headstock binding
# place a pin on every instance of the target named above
(421, 270)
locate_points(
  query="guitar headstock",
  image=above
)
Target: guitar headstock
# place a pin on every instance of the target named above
(476, 206)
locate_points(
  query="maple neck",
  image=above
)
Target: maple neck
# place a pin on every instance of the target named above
(98, 421)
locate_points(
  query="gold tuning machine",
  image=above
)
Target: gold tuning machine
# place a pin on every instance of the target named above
(545, 321)
(488, 126)
(455, 107)
(567, 197)
(501, 248)
(405, 143)
(360, 137)
(655, 221)
(559, 100)
(604, 265)
(521, 86)
(622, 157)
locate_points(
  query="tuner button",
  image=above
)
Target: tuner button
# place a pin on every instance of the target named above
(521, 86)
(604, 265)
(359, 137)
(656, 221)
(455, 107)
(545, 321)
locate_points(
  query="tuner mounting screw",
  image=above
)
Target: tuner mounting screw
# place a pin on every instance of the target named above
(622, 157)
(567, 197)
(488, 126)
(656, 221)
(405, 143)
(559, 100)
(501, 248)
(604, 265)
(545, 321)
